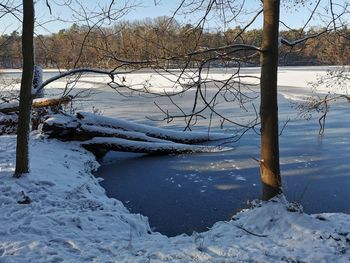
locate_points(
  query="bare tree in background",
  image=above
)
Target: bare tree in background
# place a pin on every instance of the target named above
(336, 81)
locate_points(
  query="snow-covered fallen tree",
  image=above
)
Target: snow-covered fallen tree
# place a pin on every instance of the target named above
(101, 134)
(37, 103)
(9, 112)
(161, 133)
(124, 145)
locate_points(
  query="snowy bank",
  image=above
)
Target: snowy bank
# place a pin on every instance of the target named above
(59, 213)
(295, 83)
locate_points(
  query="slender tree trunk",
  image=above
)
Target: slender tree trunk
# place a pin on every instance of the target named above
(269, 165)
(22, 151)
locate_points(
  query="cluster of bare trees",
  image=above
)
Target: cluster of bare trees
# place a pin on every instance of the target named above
(162, 43)
(158, 38)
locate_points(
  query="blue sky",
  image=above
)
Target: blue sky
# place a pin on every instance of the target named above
(292, 16)
(153, 8)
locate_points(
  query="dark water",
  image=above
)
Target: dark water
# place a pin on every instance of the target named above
(186, 193)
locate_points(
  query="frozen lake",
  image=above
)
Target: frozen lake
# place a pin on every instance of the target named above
(185, 193)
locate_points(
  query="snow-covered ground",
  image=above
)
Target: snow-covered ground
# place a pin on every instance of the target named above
(60, 213)
(289, 78)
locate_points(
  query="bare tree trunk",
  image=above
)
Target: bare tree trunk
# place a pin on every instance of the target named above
(269, 165)
(22, 151)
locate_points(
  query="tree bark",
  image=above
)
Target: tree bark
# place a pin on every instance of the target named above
(22, 150)
(269, 163)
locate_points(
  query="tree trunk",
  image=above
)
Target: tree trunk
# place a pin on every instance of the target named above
(269, 164)
(22, 151)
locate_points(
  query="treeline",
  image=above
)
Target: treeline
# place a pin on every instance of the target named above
(164, 42)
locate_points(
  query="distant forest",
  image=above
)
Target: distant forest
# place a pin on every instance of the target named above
(161, 39)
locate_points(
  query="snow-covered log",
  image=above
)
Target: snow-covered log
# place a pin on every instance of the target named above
(70, 128)
(93, 125)
(97, 131)
(155, 132)
(101, 134)
(37, 103)
(158, 148)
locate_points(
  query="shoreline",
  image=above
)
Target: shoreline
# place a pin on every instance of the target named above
(71, 219)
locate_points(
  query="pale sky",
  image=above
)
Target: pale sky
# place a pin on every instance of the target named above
(293, 17)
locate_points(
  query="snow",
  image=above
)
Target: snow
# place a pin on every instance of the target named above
(8, 105)
(153, 147)
(153, 82)
(175, 81)
(290, 79)
(37, 80)
(298, 83)
(8, 117)
(70, 219)
(177, 136)
(62, 120)
(127, 134)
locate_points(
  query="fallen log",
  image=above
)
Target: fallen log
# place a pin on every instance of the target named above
(63, 127)
(155, 132)
(100, 145)
(89, 125)
(97, 131)
(37, 103)
(70, 128)
(107, 134)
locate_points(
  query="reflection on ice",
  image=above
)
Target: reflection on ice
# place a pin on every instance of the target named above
(226, 187)
(226, 165)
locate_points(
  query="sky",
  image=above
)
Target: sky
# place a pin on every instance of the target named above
(295, 17)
